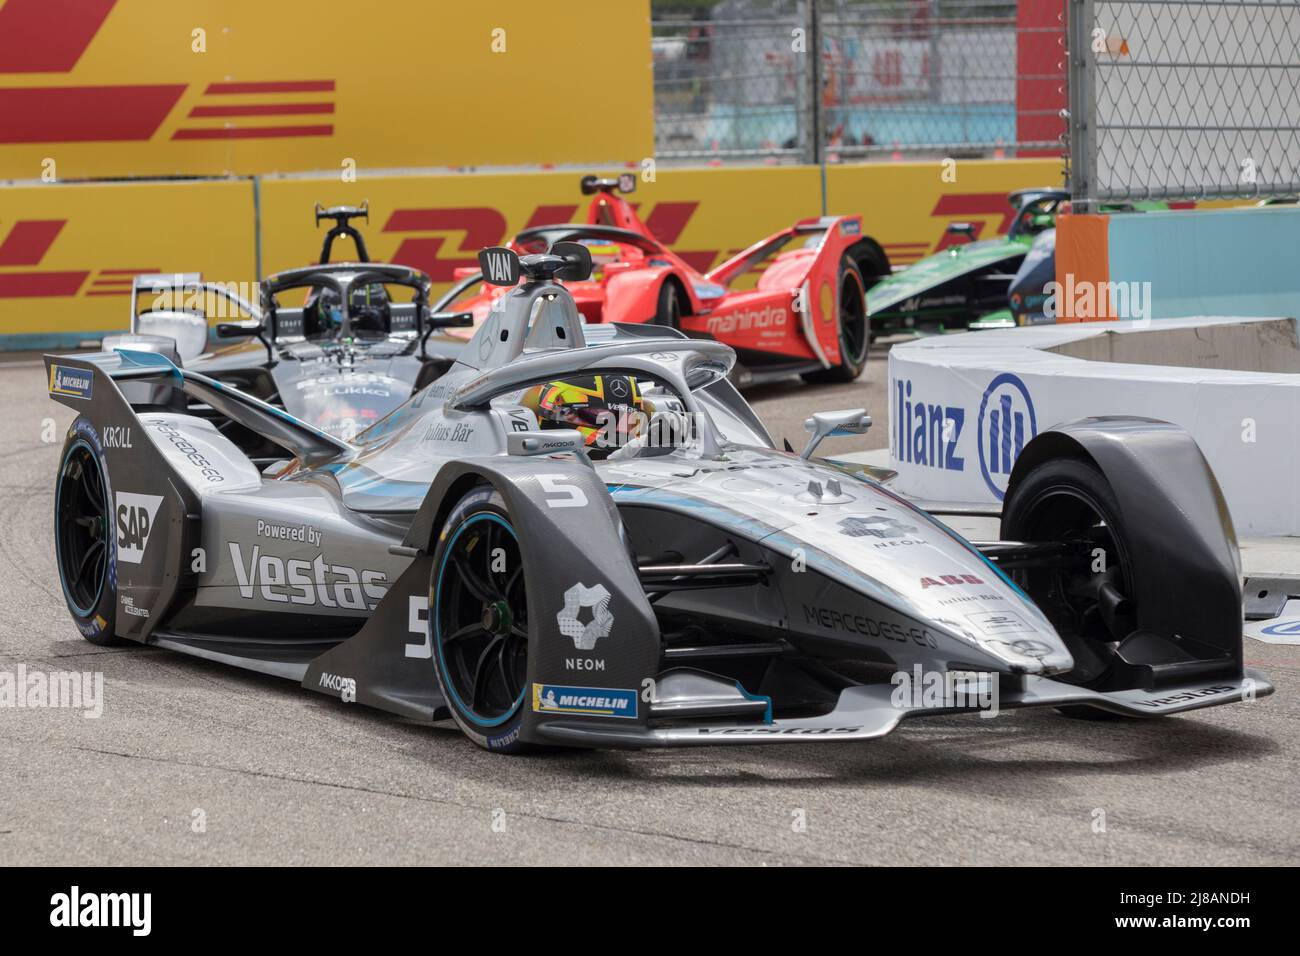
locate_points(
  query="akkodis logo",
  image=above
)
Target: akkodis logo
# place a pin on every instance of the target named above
(1006, 423)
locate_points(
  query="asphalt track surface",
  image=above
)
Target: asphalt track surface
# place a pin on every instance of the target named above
(277, 775)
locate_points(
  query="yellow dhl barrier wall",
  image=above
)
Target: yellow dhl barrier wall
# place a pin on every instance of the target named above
(67, 251)
(437, 223)
(101, 88)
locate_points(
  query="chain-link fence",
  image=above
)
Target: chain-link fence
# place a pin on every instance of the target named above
(1184, 99)
(814, 80)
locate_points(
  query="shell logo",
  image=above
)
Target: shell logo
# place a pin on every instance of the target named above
(826, 302)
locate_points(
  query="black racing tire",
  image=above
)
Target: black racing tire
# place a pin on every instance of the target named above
(85, 543)
(854, 328)
(478, 609)
(1064, 499)
(668, 311)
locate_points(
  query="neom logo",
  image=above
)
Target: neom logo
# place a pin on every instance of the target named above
(74, 909)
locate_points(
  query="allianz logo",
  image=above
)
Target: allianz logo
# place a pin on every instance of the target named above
(929, 432)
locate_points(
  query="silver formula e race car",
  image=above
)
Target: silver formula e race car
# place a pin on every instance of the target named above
(583, 536)
(362, 341)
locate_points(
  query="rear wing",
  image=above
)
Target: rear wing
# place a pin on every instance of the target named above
(82, 382)
(840, 232)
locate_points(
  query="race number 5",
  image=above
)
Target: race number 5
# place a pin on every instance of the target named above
(560, 493)
(419, 624)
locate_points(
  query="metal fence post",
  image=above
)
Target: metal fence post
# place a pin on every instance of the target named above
(1082, 130)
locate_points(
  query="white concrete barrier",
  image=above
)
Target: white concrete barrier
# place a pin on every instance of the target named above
(961, 407)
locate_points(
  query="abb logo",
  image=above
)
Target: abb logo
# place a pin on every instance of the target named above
(482, 226)
(50, 36)
(27, 242)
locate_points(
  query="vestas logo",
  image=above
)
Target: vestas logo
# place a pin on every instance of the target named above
(1006, 423)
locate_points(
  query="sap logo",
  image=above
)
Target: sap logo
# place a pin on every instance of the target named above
(1006, 422)
(943, 580)
(135, 519)
(306, 582)
(925, 433)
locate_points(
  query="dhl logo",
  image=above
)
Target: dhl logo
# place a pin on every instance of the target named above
(26, 244)
(484, 226)
(39, 36)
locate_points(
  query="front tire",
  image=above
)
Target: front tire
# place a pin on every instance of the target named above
(668, 311)
(854, 328)
(85, 546)
(1069, 499)
(478, 614)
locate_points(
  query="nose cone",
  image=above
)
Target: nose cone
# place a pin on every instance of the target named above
(895, 554)
(1043, 654)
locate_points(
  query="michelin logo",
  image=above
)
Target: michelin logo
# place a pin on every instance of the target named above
(588, 701)
(580, 597)
(77, 382)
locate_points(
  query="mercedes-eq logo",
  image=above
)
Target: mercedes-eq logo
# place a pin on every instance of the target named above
(618, 388)
(1005, 425)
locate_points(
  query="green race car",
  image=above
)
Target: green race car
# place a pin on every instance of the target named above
(952, 288)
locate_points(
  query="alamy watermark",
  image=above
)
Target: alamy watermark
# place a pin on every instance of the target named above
(922, 689)
(1085, 300)
(72, 690)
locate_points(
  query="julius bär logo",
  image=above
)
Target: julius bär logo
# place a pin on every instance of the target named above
(1006, 423)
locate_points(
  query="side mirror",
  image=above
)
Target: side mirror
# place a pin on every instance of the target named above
(850, 421)
(238, 330)
(556, 442)
(450, 320)
(961, 229)
(188, 330)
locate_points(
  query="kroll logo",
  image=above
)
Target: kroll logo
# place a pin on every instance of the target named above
(1006, 422)
(926, 433)
(135, 522)
(306, 582)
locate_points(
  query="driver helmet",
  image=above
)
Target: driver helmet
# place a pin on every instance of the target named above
(328, 306)
(369, 308)
(608, 410)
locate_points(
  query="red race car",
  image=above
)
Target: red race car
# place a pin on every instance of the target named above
(802, 308)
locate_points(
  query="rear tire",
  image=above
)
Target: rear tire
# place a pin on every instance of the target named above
(854, 328)
(478, 616)
(85, 546)
(1070, 499)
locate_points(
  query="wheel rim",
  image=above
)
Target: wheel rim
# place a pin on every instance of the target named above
(1092, 597)
(853, 320)
(83, 528)
(481, 620)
